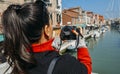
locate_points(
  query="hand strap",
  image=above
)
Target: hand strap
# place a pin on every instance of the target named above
(52, 65)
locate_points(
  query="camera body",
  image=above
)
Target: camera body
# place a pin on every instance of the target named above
(67, 34)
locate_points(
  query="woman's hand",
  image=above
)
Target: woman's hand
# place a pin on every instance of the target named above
(81, 40)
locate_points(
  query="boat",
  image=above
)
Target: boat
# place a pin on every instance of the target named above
(95, 34)
(103, 30)
(94, 73)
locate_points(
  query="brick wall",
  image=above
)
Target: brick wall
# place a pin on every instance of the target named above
(66, 19)
(70, 16)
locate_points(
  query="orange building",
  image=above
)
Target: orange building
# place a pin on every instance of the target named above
(101, 18)
(72, 15)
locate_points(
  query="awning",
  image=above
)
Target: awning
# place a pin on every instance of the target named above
(88, 25)
(1, 37)
(81, 25)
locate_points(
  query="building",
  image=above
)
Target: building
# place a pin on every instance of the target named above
(98, 20)
(54, 7)
(101, 20)
(72, 16)
(55, 10)
(86, 17)
(75, 16)
(90, 18)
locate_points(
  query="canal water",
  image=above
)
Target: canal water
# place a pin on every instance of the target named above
(105, 52)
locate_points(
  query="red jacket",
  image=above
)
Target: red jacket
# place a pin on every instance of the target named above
(82, 53)
(84, 57)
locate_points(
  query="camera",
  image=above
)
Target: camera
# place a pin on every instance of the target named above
(67, 34)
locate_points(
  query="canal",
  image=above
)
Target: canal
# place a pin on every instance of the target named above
(105, 52)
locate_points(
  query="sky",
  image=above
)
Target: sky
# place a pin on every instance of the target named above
(97, 6)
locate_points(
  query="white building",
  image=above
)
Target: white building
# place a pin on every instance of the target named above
(55, 9)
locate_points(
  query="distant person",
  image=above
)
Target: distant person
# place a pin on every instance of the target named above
(28, 41)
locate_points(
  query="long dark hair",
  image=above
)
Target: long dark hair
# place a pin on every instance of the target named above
(22, 26)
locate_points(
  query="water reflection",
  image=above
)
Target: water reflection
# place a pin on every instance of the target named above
(105, 52)
(92, 42)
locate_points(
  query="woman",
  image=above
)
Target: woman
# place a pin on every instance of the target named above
(28, 39)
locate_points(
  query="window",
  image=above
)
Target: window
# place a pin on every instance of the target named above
(29, 0)
(2, 1)
(79, 19)
(57, 4)
(58, 18)
(51, 17)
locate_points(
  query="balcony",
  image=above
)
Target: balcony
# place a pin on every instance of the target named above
(58, 6)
